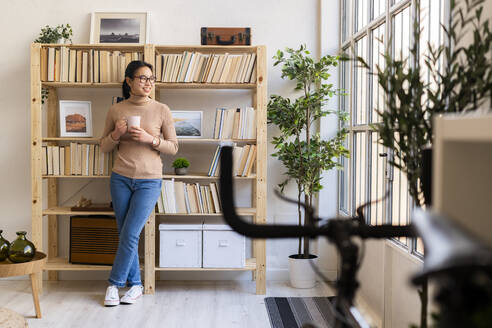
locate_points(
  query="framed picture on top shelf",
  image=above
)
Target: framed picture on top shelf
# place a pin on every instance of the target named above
(119, 28)
(75, 118)
(188, 123)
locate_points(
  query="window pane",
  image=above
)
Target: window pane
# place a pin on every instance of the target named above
(401, 34)
(344, 106)
(360, 167)
(360, 84)
(377, 61)
(379, 8)
(345, 19)
(400, 200)
(362, 11)
(377, 183)
(344, 182)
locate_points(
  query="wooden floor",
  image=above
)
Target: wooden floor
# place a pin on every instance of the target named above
(180, 304)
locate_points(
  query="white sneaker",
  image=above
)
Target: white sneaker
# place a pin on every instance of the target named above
(112, 298)
(132, 295)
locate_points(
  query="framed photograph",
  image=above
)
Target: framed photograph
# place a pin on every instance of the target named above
(75, 118)
(188, 123)
(119, 28)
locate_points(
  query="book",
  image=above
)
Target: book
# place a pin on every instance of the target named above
(50, 160)
(78, 72)
(84, 159)
(187, 199)
(68, 160)
(90, 74)
(192, 198)
(56, 160)
(44, 64)
(91, 159)
(64, 64)
(215, 197)
(85, 67)
(51, 65)
(180, 197)
(249, 71)
(96, 67)
(44, 160)
(62, 161)
(250, 161)
(213, 164)
(158, 67)
(72, 65)
(244, 158)
(97, 155)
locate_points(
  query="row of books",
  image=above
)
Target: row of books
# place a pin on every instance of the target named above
(196, 67)
(76, 159)
(235, 123)
(85, 65)
(244, 158)
(185, 198)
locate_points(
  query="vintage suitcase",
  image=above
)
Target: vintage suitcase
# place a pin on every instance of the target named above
(93, 239)
(226, 36)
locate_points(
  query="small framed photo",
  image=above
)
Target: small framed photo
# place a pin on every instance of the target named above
(75, 118)
(188, 123)
(120, 28)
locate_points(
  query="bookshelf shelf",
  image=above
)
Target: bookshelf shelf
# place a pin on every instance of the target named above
(67, 211)
(158, 85)
(62, 264)
(166, 176)
(39, 70)
(180, 140)
(161, 85)
(250, 266)
(80, 85)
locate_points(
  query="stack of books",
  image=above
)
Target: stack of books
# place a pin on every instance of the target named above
(235, 123)
(244, 159)
(62, 64)
(76, 159)
(195, 67)
(178, 197)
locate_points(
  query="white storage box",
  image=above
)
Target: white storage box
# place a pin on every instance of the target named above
(222, 247)
(180, 244)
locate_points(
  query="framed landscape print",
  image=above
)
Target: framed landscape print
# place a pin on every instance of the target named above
(75, 118)
(119, 28)
(188, 123)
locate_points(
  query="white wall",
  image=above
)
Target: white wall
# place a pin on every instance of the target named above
(276, 24)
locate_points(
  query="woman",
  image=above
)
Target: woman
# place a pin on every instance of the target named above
(137, 172)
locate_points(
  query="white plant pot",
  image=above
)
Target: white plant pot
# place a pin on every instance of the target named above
(301, 272)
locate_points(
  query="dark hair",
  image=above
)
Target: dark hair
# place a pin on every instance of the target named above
(130, 72)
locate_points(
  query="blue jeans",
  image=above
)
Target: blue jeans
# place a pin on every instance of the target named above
(133, 201)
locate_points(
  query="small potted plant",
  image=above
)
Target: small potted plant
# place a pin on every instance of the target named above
(180, 165)
(59, 34)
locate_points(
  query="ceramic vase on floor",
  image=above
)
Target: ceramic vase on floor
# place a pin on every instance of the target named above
(4, 247)
(21, 250)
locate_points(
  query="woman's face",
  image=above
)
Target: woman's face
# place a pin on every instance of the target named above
(140, 85)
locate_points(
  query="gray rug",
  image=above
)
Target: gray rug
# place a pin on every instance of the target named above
(296, 312)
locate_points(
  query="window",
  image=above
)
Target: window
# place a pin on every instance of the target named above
(368, 28)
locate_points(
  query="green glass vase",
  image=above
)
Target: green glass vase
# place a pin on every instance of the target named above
(21, 250)
(4, 247)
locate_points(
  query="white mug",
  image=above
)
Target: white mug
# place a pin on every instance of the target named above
(133, 121)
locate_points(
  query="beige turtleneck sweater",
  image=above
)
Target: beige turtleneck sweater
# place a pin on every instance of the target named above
(137, 160)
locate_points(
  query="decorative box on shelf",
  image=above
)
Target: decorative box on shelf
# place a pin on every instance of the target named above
(180, 244)
(93, 240)
(222, 247)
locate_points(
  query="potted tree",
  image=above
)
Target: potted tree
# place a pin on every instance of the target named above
(180, 165)
(461, 84)
(299, 147)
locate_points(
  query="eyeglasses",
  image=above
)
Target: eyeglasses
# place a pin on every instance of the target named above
(144, 79)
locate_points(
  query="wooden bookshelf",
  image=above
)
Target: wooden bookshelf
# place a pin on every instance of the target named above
(256, 264)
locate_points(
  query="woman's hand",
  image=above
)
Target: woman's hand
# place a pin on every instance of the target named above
(140, 135)
(120, 128)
